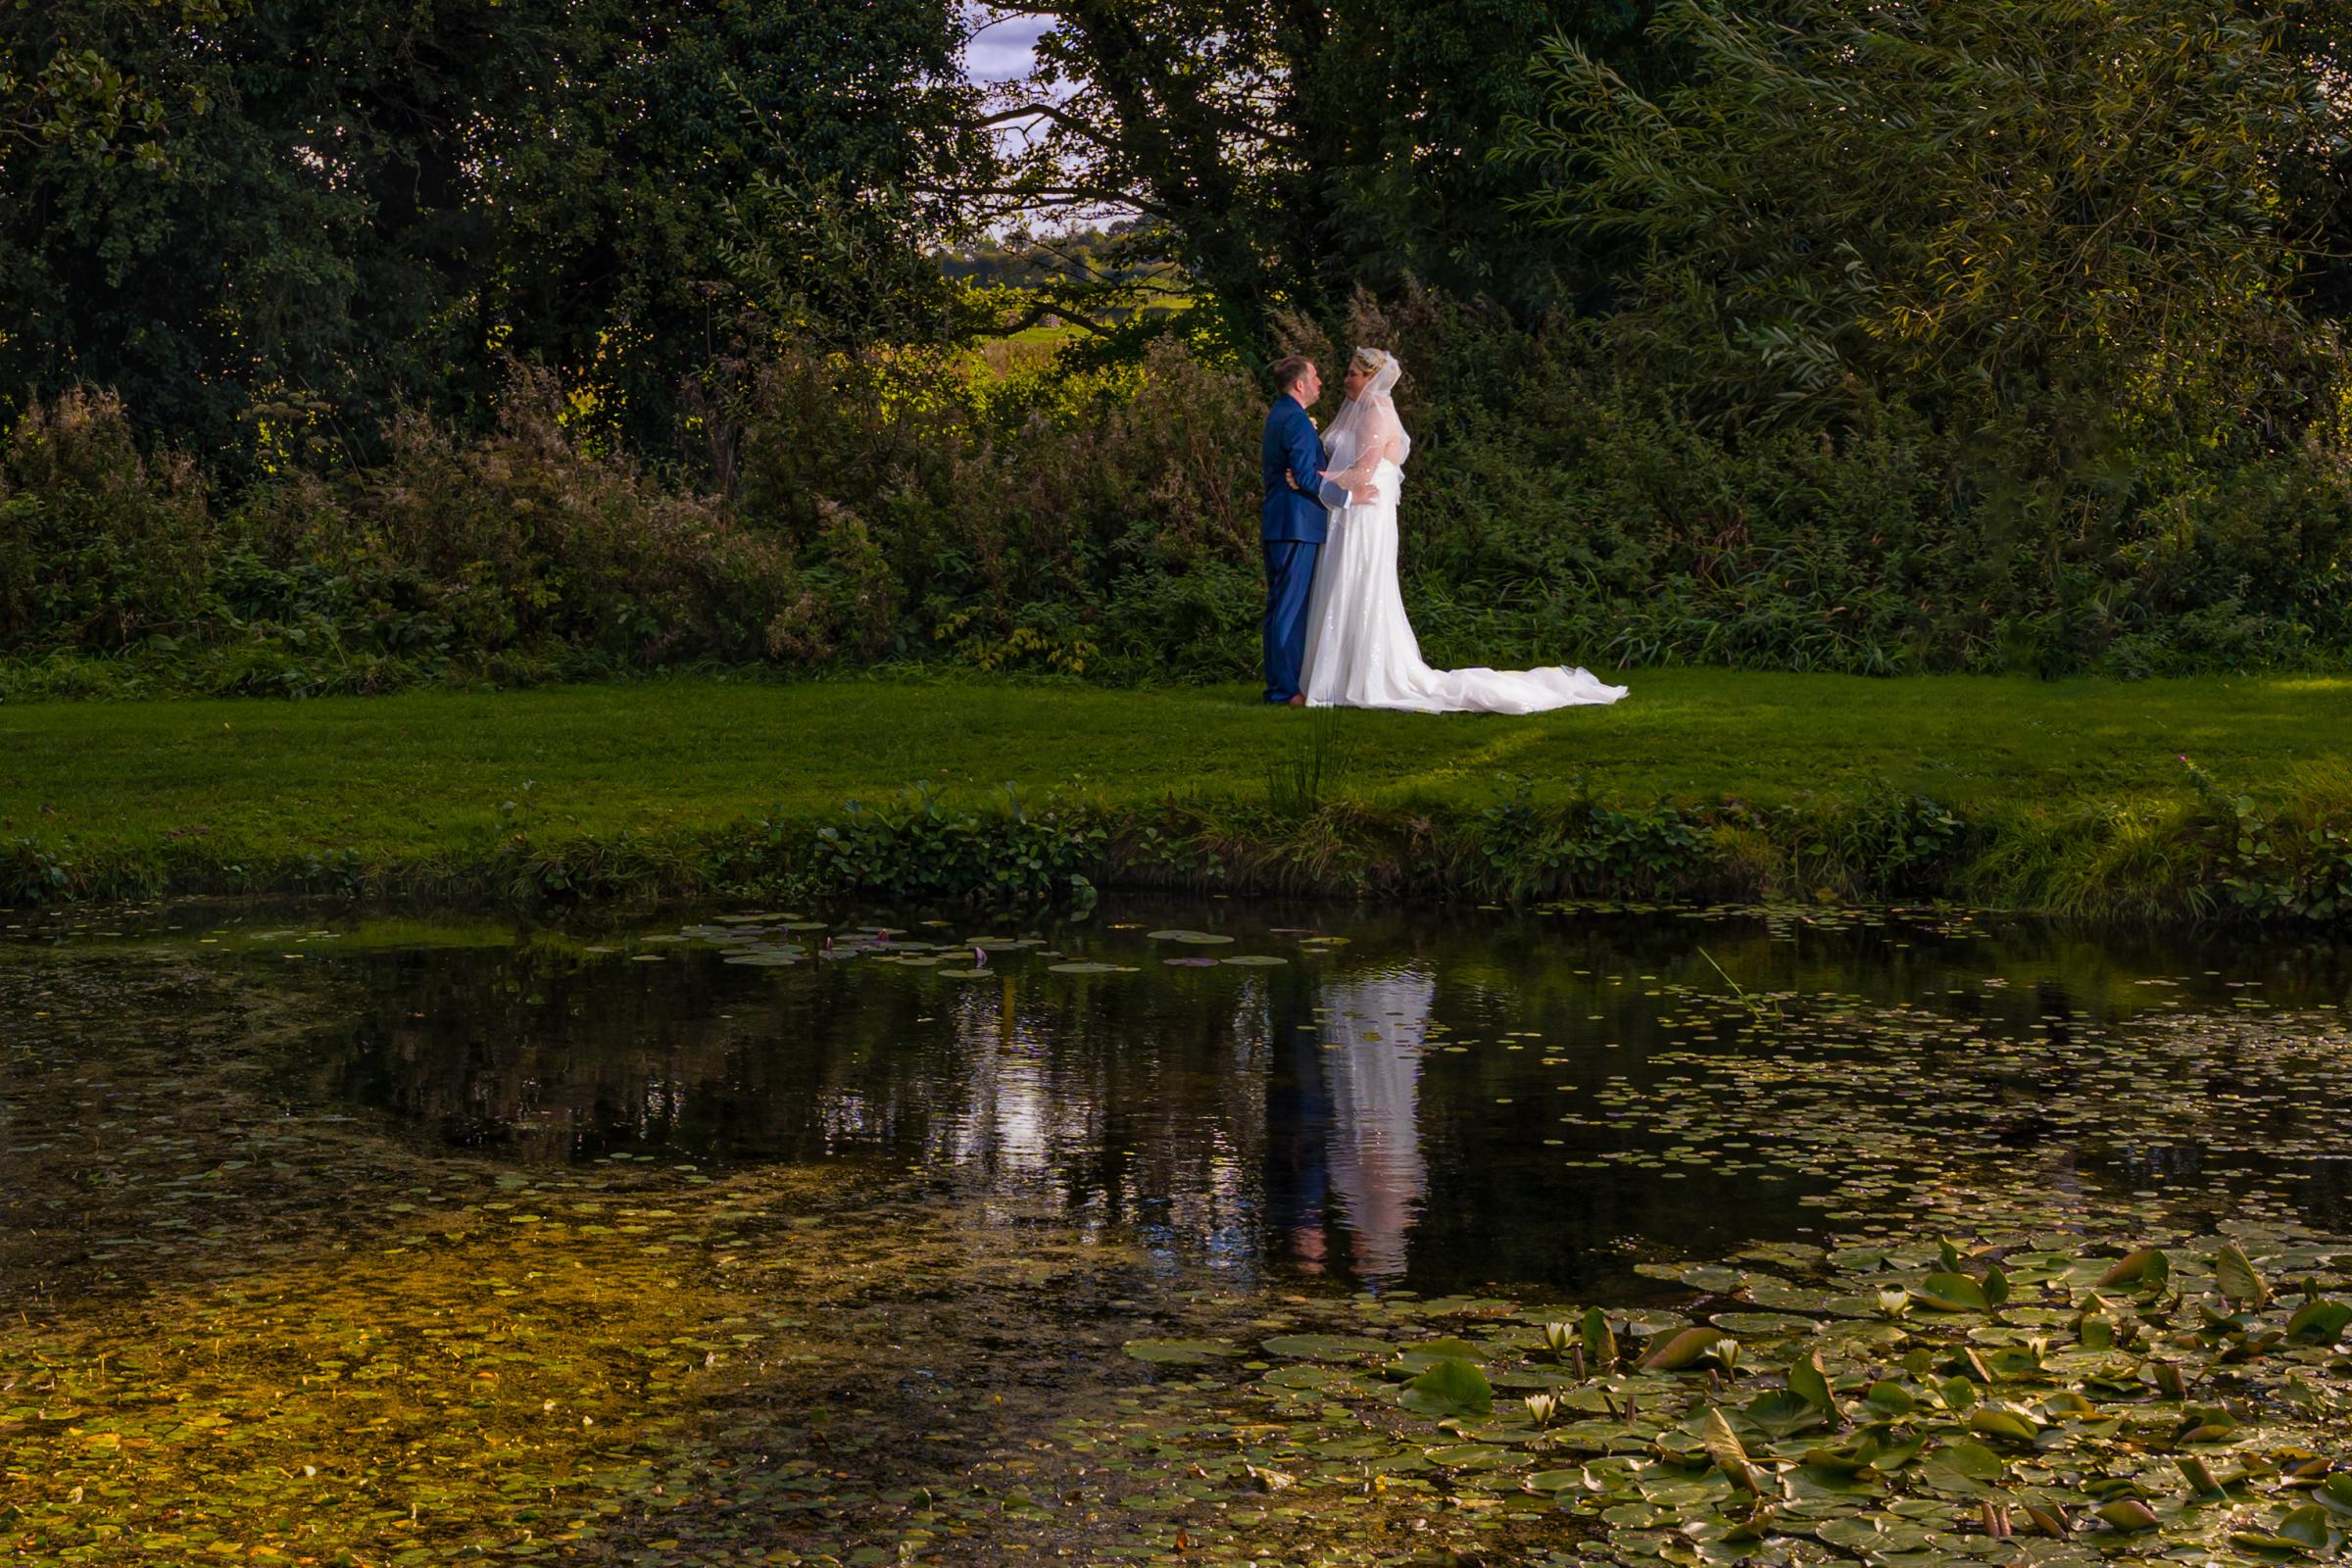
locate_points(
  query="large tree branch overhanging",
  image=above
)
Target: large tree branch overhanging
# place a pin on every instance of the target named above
(1059, 310)
(1019, 195)
(1048, 112)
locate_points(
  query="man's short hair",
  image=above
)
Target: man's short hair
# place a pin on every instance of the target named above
(1289, 370)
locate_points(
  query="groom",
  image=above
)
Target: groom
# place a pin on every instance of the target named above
(1291, 524)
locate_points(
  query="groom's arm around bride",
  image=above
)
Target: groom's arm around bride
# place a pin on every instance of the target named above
(1291, 522)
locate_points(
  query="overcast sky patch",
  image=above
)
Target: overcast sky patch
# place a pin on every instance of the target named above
(1000, 53)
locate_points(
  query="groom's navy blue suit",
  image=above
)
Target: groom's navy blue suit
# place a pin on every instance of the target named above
(1291, 527)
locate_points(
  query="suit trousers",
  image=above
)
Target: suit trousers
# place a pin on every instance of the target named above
(1290, 580)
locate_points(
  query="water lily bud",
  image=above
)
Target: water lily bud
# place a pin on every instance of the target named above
(1894, 1302)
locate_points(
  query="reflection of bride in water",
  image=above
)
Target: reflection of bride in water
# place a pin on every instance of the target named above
(1367, 1067)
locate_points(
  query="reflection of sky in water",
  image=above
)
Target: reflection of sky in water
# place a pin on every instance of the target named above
(1008, 1123)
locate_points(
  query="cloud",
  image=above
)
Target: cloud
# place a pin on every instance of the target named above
(1000, 53)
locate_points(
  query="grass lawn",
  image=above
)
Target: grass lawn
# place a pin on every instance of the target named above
(405, 774)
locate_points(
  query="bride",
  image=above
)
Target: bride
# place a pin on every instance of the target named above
(1360, 649)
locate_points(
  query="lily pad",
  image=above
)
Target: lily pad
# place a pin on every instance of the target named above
(1325, 1346)
(1180, 1352)
(1451, 1387)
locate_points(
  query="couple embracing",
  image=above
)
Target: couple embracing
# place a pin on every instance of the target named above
(1336, 631)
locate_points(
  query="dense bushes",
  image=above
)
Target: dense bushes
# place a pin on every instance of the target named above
(100, 547)
(1953, 336)
(518, 552)
(1102, 526)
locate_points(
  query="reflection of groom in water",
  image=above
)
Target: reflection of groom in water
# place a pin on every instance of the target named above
(1298, 1175)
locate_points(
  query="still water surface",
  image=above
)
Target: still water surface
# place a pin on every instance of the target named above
(1433, 1101)
(760, 1239)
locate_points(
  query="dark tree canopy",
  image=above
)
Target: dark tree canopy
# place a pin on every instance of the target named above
(1291, 151)
(289, 216)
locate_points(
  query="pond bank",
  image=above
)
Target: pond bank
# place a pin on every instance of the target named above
(2155, 800)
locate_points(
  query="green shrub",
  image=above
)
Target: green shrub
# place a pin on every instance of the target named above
(100, 545)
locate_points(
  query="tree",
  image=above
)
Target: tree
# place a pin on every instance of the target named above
(2067, 216)
(269, 223)
(1288, 152)
(706, 160)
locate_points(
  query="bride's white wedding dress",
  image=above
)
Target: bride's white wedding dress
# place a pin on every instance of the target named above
(1361, 647)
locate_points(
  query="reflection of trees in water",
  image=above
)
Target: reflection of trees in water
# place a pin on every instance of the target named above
(1300, 1110)
(1142, 1104)
(555, 1059)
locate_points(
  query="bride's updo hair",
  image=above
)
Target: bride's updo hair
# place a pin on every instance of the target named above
(1371, 359)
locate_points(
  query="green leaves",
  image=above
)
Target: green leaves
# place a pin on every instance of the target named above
(1600, 1345)
(1918, 225)
(1682, 1349)
(2146, 1268)
(1451, 1387)
(1809, 1383)
(2318, 1321)
(1179, 1353)
(2240, 1283)
(1956, 1464)
(2301, 1532)
(1722, 1446)
(1951, 1292)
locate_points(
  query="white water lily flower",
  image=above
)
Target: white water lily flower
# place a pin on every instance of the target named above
(1894, 1302)
(1543, 1408)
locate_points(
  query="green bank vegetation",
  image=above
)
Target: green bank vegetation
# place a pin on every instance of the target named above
(2158, 798)
(1818, 335)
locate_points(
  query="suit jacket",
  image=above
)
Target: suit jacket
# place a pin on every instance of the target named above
(1290, 446)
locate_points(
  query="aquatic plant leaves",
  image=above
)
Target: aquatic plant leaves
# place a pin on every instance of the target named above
(1809, 1383)
(2319, 1321)
(1957, 1464)
(1724, 1447)
(1599, 1341)
(1180, 1352)
(1679, 1349)
(2147, 1268)
(1951, 1292)
(1296, 1441)
(1325, 1346)
(1450, 1386)
(2241, 1284)
(1890, 1398)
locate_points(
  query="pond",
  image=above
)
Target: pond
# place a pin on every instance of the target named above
(1175, 1233)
